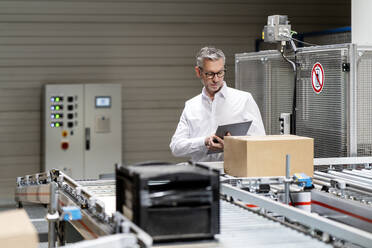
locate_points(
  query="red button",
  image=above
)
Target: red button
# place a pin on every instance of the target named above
(64, 145)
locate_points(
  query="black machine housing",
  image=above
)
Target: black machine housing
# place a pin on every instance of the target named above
(170, 202)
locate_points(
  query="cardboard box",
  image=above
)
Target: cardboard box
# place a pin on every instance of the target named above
(16, 230)
(259, 156)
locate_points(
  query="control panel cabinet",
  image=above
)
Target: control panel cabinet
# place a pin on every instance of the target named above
(82, 129)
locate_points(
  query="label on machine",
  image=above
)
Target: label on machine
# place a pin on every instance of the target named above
(317, 78)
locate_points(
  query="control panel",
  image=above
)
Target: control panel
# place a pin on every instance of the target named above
(63, 141)
(82, 129)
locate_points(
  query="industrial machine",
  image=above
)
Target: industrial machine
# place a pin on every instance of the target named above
(159, 196)
(318, 91)
(82, 129)
(336, 114)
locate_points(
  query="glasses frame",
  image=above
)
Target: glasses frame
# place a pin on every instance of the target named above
(214, 73)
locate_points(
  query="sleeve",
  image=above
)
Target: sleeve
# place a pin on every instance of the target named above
(181, 144)
(257, 127)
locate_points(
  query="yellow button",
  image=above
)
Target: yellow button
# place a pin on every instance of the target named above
(64, 133)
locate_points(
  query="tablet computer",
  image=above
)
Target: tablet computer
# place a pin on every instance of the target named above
(235, 129)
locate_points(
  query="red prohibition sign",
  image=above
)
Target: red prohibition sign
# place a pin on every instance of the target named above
(317, 77)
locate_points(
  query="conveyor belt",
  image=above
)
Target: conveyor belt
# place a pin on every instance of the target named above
(242, 228)
(103, 190)
(239, 226)
(99, 187)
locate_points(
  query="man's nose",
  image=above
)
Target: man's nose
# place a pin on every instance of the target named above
(215, 78)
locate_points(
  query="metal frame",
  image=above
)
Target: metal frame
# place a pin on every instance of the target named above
(351, 143)
(352, 105)
(263, 56)
(343, 161)
(354, 185)
(88, 226)
(352, 212)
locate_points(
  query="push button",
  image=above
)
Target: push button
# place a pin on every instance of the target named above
(64, 145)
(64, 133)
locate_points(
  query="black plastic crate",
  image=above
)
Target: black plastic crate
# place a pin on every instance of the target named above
(170, 202)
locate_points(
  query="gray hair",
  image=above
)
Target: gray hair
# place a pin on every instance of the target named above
(210, 53)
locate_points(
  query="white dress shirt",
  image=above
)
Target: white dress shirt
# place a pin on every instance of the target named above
(201, 117)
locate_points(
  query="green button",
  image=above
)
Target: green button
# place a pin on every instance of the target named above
(57, 116)
(57, 107)
(57, 124)
(57, 99)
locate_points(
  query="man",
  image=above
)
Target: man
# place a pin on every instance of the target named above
(216, 105)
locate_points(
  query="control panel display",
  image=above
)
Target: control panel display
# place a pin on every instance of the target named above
(103, 101)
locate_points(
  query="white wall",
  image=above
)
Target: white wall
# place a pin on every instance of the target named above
(147, 46)
(361, 19)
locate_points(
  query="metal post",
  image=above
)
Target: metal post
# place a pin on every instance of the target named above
(61, 233)
(287, 179)
(52, 215)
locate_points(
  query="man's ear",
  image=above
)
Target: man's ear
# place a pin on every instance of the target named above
(197, 71)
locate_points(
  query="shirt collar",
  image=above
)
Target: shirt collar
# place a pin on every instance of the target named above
(222, 92)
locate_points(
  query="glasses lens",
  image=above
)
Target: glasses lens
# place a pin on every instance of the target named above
(220, 73)
(209, 74)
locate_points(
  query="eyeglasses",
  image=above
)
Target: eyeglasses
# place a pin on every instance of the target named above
(211, 75)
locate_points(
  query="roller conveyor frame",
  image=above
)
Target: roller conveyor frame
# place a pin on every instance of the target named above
(351, 184)
(338, 230)
(344, 191)
(55, 188)
(350, 212)
(29, 187)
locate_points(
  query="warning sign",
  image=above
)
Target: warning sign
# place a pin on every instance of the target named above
(317, 78)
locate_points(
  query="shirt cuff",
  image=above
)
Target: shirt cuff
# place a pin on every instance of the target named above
(198, 143)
